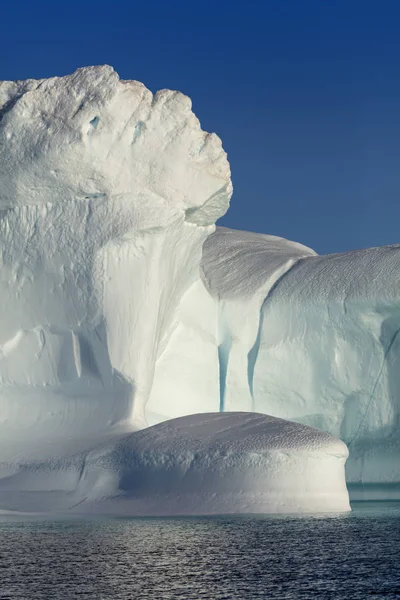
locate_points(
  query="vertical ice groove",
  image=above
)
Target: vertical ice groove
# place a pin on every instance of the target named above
(77, 354)
(252, 357)
(253, 352)
(224, 348)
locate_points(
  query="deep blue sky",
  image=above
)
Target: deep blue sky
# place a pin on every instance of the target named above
(304, 94)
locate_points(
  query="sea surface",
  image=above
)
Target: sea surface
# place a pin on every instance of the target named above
(347, 557)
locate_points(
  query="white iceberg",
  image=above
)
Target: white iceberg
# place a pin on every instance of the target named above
(107, 195)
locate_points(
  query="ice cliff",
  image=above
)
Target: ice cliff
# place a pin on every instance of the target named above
(107, 194)
(123, 307)
(314, 339)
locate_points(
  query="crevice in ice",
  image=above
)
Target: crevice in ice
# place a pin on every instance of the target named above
(252, 358)
(253, 352)
(78, 110)
(224, 349)
(93, 196)
(293, 264)
(9, 106)
(199, 149)
(82, 470)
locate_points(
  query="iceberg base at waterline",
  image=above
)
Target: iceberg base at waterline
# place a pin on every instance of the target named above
(215, 463)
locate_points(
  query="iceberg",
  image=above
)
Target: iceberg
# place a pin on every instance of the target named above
(125, 310)
(223, 463)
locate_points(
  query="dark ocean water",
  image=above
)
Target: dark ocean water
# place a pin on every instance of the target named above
(346, 557)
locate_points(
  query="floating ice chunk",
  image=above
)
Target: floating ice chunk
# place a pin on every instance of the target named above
(218, 463)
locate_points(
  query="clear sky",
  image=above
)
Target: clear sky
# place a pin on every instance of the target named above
(305, 95)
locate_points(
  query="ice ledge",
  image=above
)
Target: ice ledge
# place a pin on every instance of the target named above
(215, 463)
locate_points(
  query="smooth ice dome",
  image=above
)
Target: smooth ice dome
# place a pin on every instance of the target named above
(216, 463)
(223, 463)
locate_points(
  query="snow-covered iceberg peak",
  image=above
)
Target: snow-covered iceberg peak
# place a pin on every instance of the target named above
(92, 136)
(107, 194)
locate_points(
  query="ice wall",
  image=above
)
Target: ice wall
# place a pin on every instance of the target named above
(208, 362)
(327, 345)
(329, 356)
(107, 194)
(313, 339)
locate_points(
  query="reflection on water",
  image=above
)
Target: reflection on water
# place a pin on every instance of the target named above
(346, 557)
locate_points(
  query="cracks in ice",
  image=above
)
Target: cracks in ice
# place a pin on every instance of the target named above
(372, 396)
(291, 266)
(199, 149)
(9, 106)
(78, 110)
(81, 471)
(93, 196)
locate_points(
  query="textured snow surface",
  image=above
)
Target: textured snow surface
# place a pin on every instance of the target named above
(200, 464)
